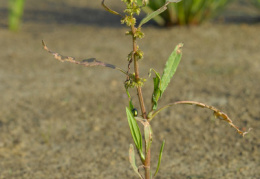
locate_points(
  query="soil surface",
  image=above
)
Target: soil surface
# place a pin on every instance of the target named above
(60, 120)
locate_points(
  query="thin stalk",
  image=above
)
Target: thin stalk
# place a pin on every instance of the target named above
(147, 160)
(147, 164)
(136, 68)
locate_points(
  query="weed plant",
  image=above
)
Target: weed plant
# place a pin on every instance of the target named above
(143, 140)
(186, 11)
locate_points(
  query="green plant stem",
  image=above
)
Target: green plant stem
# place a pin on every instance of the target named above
(147, 160)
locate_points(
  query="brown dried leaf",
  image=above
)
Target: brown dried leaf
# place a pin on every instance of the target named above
(110, 10)
(86, 62)
(217, 113)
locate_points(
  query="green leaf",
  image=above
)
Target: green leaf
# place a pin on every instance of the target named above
(158, 19)
(131, 106)
(148, 135)
(132, 160)
(170, 67)
(153, 14)
(135, 131)
(160, 157)
(157, 91)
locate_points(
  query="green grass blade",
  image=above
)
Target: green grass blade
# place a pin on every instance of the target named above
(16, 8)
(132, 160)
(180, 13)
(189, 11)
(160, 157)
(171, 66)
(171, 14)
(134, 128)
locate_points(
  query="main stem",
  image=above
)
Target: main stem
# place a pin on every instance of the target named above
(147, 160)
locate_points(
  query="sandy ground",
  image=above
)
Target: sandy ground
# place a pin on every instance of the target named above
(59, 120)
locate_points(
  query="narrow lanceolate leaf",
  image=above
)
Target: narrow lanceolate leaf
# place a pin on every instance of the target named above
(135, 131)
(132, 160)
(171, 66)
(158, 19)
(153, 14)
(156, 91)
(86, 62)
(160, 157)
(147, 135)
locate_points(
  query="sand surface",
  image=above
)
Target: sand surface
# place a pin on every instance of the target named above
(61, 121)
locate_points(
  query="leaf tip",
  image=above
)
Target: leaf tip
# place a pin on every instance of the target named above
(44, 45)
(244, 133)
(179, 48)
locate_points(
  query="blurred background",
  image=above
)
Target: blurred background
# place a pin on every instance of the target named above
(59, 120)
